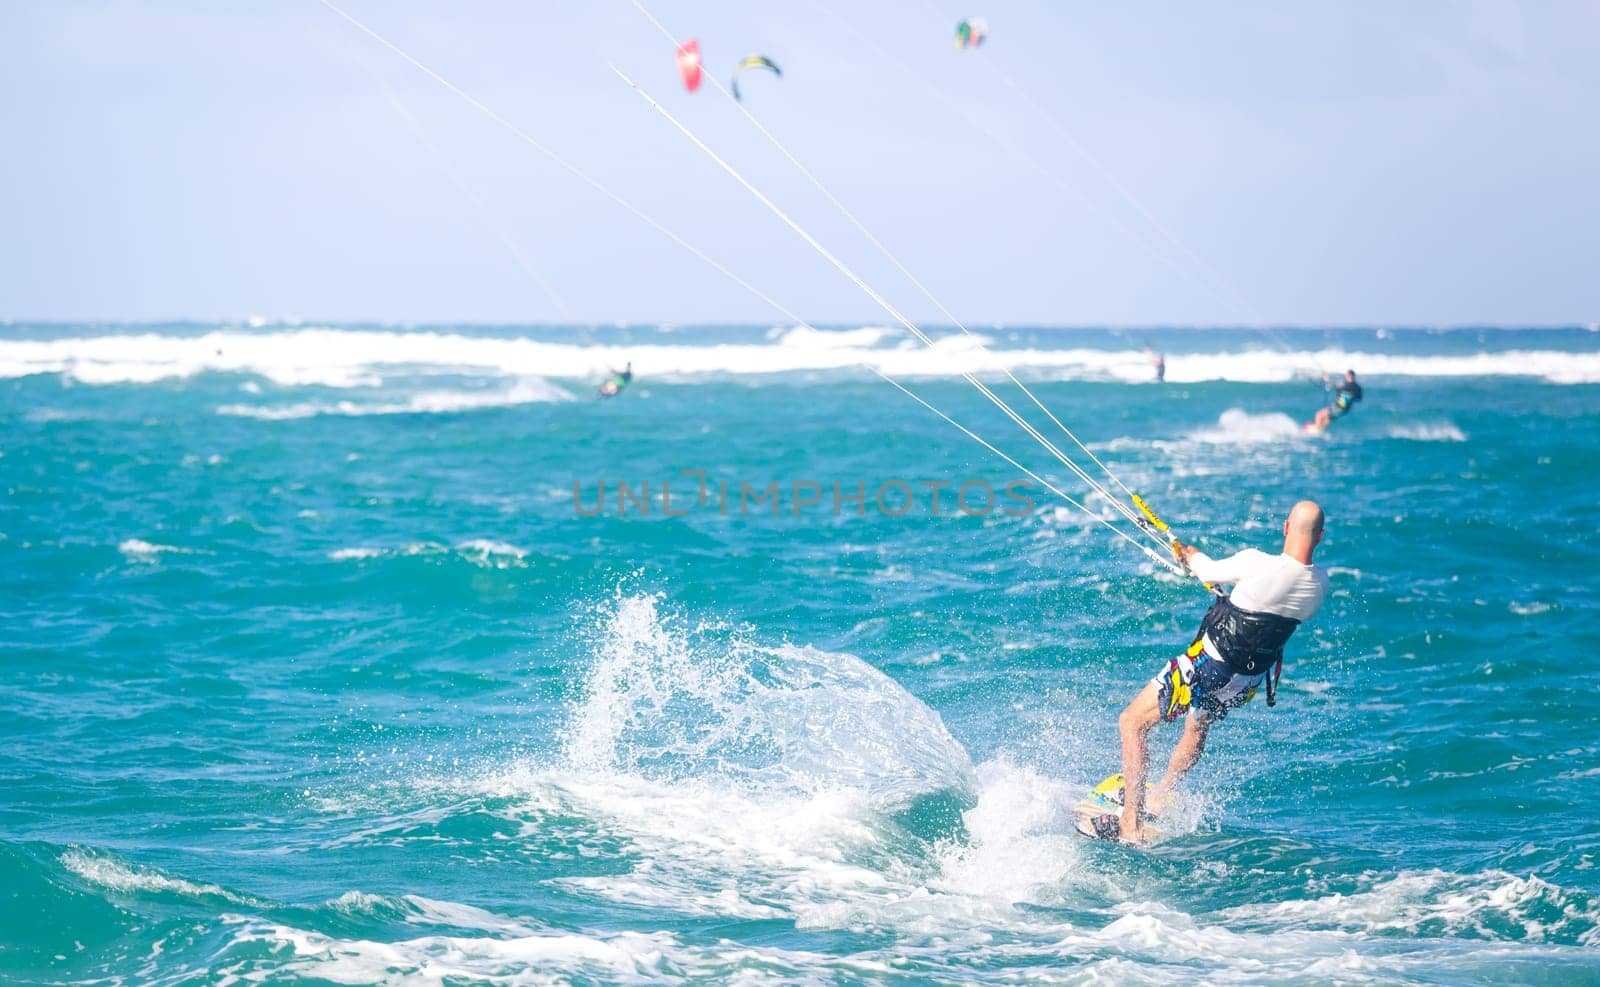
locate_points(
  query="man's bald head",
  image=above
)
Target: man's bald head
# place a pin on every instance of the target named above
(1306, 518)
(1303, 530)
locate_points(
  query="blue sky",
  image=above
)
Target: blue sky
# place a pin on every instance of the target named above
(1342, 163)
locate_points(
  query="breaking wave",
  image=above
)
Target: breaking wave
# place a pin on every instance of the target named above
(527, 391)
(349, 358)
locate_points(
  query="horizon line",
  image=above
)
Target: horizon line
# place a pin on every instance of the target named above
(298, 322)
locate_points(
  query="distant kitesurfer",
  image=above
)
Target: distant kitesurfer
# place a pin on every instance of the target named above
(1345, 394)
(619, 380)
(1238, 648)
(1158, 361)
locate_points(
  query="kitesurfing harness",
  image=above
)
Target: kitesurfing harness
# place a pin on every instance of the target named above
(1251, 642)
(1345, 395)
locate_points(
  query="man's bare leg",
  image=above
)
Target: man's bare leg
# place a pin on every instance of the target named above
(1184, 757)
(1135, 723)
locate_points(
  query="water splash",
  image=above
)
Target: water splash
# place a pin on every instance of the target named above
(664, 702)
(1239, 427)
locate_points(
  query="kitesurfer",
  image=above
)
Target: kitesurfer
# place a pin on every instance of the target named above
(1158, 363)
(1238, 648)
(619, 380)
(1345, 394)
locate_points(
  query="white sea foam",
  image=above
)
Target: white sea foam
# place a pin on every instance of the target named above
(712, 850)
(546, 957)
(1238, 427)
(479, 551)
(491, 554)
(50, 415)
(964, 926)
(1141, 946)
(1023, 846)
(1434, 432)
(437, 959)
(115, 875)
(527, 391)
(363, 903)
(347, 554)
(1487, 905)
(360, 358)
(802, 337)
(141, 550)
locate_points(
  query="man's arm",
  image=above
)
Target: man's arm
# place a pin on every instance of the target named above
(1208, 570)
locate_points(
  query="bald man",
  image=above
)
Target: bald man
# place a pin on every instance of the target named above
(1238, 648)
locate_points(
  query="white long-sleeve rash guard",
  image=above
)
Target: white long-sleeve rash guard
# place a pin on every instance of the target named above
(1266, 583)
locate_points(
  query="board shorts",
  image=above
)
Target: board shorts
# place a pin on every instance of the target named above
(1207, 692)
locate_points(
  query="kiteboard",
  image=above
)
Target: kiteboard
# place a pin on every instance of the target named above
(1105, 800)
(1312, 428)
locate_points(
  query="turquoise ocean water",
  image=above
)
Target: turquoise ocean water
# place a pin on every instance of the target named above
(315, 670)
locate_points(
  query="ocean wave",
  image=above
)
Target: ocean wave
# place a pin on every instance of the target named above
(979, 913)
(1530, 608)
(347, 358)
(1144, 945)
(143, 551)
(486, 549)
(1436, 432)
(425, 403)
(1491, 905)
(551, 958)
(807, 338)
(114, 875)
(46, 416)
(482, 552)
(263, 950)
(418, 909)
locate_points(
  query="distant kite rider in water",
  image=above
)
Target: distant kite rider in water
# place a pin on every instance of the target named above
(619, 380)
(1345, 394)
(1238, 649)
(1158, 362)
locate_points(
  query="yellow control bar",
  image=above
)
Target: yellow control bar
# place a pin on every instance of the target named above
(1161, 526)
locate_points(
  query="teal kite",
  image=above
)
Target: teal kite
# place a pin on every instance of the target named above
(753, 62)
